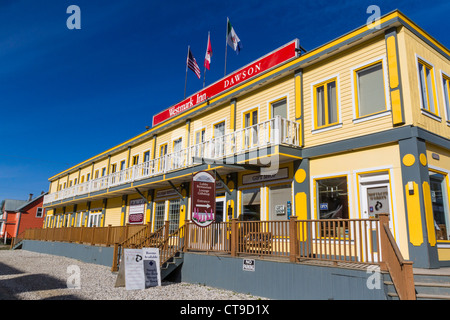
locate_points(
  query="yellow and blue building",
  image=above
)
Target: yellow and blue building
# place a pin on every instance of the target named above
(355, 127)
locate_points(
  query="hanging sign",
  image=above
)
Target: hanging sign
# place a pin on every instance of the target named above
(136, 214)
(203, 198)
(258, 67)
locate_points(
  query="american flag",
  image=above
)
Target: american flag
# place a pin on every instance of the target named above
(192, 63)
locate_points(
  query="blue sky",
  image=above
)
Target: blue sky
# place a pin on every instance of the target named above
(67, 95)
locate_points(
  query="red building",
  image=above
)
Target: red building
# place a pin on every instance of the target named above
(18, 215)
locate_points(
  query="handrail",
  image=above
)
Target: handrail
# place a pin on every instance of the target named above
(400, 270)
(391, 239)
(274, 131)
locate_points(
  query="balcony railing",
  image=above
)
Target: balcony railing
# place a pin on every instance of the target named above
(268, 133)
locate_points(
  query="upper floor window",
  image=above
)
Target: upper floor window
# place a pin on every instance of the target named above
(135, 160)
(325, 104)
(39, 212)
(446, 90)
(279, 108)
(427, 87)
(369, 89)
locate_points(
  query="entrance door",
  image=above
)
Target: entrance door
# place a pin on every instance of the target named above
(220, 210)
(375, 199)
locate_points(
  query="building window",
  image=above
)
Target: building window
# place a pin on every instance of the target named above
(39, 212)
(218, 139)
(199, 139)
(427, 87)
(251, 128)
(325, 104)
(332, 196)
(251, 205)
(446, 90)
(174, 215)
(178, 155)
(440, 200)
(95, 218)
(135, 160)
(279, 108)
(160, 212)
(370, 92)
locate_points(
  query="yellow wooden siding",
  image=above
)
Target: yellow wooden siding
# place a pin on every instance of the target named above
(96, 205)
(341, 65)
(353, 163)
(262, 97)
(208, 119)
(169, 136)
(117, 158)
(139, 149)
(409, 47)
(113, 211)
(99, 165)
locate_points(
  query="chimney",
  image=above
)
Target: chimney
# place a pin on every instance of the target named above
(31, 197)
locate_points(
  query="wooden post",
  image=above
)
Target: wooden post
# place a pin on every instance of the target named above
(384, 242)
(108, 234)
(234, 237)
(81, 235)
(293, 247)
(186, 235)
(115, 256)
(93, 236)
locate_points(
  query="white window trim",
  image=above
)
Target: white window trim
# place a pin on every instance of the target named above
(338, 101)
(351, 212)
(442, 74)
(42, 212)
(214, 124)
(386, 90)
(280, 97)
(422, 108)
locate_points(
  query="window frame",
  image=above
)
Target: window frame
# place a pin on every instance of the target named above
(324, 83)
(278, 99)
(355, 90)
(314, 87)
(446, 77)
(427, 111)
(42, 212)
(446, 175)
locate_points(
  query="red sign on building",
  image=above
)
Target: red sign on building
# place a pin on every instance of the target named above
(203, 198)
(248, 72)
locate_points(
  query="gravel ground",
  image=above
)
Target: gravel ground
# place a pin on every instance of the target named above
(26, 275)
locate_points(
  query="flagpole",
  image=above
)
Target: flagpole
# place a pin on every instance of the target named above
(185, 79)
(226, 46)
(204, 72)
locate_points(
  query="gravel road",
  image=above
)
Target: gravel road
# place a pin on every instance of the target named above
(26, 275)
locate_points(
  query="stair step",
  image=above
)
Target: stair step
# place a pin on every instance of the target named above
(423, 296)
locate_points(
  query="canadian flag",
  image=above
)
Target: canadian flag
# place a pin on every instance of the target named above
(208, 53)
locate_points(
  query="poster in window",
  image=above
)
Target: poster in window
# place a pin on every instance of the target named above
(378, 201)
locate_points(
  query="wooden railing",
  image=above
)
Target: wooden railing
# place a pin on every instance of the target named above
(401, 271)
(106, 236)
(271, 132)
(364, 241)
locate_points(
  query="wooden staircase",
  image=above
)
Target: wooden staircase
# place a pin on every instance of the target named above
(430, 284)
(170, 247)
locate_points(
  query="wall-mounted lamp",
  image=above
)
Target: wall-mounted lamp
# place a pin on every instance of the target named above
(411, 188)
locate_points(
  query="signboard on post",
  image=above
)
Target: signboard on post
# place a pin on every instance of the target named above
(203, 198)
(136, 214)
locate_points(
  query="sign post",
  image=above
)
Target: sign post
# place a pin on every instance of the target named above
(203, 198)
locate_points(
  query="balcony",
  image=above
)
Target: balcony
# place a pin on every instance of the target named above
(276, 131)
